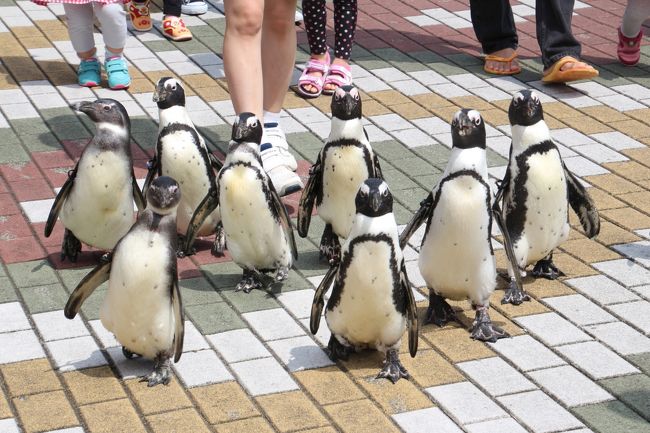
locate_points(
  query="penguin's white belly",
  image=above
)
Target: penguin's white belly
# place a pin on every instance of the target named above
(254, 238)
(455, 257)
(344, 170)
(99, 208)
(546, 222)
(365, 314)
(138, 308)
(182, 160)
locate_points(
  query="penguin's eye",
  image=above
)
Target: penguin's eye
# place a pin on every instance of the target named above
(173, 86)
(107, 108)
(477, 121)
(356, 96)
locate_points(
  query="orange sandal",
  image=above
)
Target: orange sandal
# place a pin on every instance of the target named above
(504, 60)
(174, 29)
(554, 74)
(140, 17)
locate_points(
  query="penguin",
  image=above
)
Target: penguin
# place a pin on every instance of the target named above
(534, 194)
(257, 228)
(95, 203)
(143, 306)
(182, 154)
(456, 256)
(371, 304)
(343, 164)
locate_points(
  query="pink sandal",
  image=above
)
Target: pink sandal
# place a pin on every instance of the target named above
(339, 75)
(629, 49)
(314, 65)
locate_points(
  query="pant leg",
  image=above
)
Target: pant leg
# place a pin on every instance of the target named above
(494, 24)
(112, 18)
(345, 25)
(315, 16)
(80, 26)
(636, 12)
(172, 7)
(554, 33)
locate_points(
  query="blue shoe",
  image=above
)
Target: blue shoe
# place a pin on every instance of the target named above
(89, 74)
(118, 73)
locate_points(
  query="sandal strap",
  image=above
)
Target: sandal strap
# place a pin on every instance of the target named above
(312, 79)
(339, 75)
(314, 65)
(495, 58)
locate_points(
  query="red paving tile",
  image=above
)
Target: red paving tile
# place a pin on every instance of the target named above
(21, 250)
(8, 205)
(35, 189)
(57, 158)
(13, 227)
(16, 172)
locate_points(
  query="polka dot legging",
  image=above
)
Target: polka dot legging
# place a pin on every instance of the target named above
(345, 23)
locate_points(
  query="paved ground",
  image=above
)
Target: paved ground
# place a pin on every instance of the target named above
(579, 358)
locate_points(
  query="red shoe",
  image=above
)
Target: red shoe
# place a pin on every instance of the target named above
(629, 49)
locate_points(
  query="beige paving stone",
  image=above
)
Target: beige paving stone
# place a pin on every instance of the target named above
(553, 122)
(571, 266)
(511, 311)
(291, 100)
(319, 430)
(586, 124)
(30, 377)
(410, 110)
(329, 385)
(429, 100)
(26, 32)
(642, 114)
(560, 110)
(223, 402)
(498, 315)
(471, 101)
(365, 363)
(198, 81)
(446, 113)
(322, 103)
(183, 420)
(56, 33)
(45, 411)
(611, 234)
(631, 170)
(542, 288)
(374, 108)
(5, 410)
(456, 344)
(254, 425)
(404, 347)
(116, 416)
(93, 385)
(495, 117)
(613, 183)
(11, 48)
(360, 417)
(588, 249)
(140, 85)
(641, 154)
(158, 399)
(28, 73)
(627, 217)
(35, 42)
(429, 368)
(632, 128)
(402, 396)
(136, 73)
(63, 78)
(604, 200)
(604, 114)
(390, 97)
(214, 93)
(637, 199)
(6, 81)
(290, 411)
(503, 104)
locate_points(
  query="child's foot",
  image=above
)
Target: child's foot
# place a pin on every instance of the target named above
(117, 73)
(340, 74)
(629, 49)
(140, 18)
(174, 29)
(310, 84)
(278, 162)
(89, 74)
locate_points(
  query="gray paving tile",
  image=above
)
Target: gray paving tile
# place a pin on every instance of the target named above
(263, 376)
(624, 271)
(54, 325)
(635, 313)
(570, 386)
(9, 425)
(638, 251)
(298, 302)
(602, 290)
(300, 353)
(508, 425)
(13, 317)
(75, 353)
(129, 368)
(596, 360)
(465, 402)
(552, 329)
(617, 140)
(273, 324)
(106, 338)
(612, 417)
(25, 346)
(539, 412)
(193, 339)
(621, 337)
(201, 368)
(238, 345)
(579, 310)
(496, 376)
(420, 421)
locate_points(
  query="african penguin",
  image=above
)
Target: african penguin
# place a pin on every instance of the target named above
(95, 203)
(181, 153)
(534, 194)
(343, 164)
(143, 307)
(371, 304)
(456, 257)
(257, 228)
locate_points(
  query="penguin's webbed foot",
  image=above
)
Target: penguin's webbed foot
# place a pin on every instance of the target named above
(249, 281)
(162, 373)
(330, 247)
(393, 369)
(514, 295)
(128, 354)
(336, 350)
(282, 274)
(483, 329)
(71, 246)
(545, 268)
(439, 311)
(105, 258)
(219, 245)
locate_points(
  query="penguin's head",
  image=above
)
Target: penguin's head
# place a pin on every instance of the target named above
(525, 108)
(468, 129)
(346, 103)
(105, 112)
(169, 92)
(374, 198)
(247, 128)
(163, 195)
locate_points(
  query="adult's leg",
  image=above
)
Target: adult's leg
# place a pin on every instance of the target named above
(172, 7)
(242, 54)
(494, 26)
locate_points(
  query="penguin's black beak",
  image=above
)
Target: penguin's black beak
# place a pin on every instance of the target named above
(159, 94)
(350, 103)
(375, 200)
(83, 106)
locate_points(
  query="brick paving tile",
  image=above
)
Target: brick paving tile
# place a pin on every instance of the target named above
(291, 411)
(45, 411)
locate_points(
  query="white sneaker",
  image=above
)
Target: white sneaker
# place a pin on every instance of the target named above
(194, 7)
(298, 18)
(278, 162)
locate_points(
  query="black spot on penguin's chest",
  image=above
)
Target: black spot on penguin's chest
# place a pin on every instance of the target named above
(332, 156)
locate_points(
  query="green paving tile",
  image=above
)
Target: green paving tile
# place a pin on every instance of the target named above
(12, 153)
(372, 63)
(402, 214)
(633, 390)
(3, 273)
(71, 131)
(218, 135)
(9, 138)
(42, 142)
(7, 291)
(437, 155)
(213, 318)
(253, 301)
(411, 198)
(612, 417)
(156, 46)
(35, 273)
(309, 264)
(29, 126)
(143, 124)
(644, 80)
(494, 159)
(197, 291)
(57, 114)
(224, 275)
(72, 277)
(415, 166)
(465, 60)
(199, 31)
(219, 24)
(428, 182)
(93, 303)
(610, 79)
(445, 68)
(359, 52)
(215, 43)
(191, 47)
(391, 55)
(390, 150)
(294, 281)
(397, 180)
(7, 3)
(641, 360)
(44, 298)
(427, 57)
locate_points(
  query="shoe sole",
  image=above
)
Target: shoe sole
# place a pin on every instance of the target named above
(120, 87)
(181, 39)
(194, 11)
(89, 84)
(290, 190)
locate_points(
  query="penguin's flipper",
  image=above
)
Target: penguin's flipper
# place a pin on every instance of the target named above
(215, 163)
(377, 167)
(179, 318)
(205, 208)
(582, 204)
(138, 198)
(411, 311)
(426, 209)
(285, 221)
(308, 197)
(152, 165)
(318, 303)
(58, 202)
(507, 245)
(86, 287)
